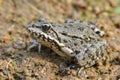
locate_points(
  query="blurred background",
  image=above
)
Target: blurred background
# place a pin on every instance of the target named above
(17, 64)
(59, 10)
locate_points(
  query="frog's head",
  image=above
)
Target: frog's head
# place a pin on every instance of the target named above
(43, 32)
(41, 26)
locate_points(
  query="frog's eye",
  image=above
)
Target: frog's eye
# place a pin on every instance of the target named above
(46, 27)
(33, 25)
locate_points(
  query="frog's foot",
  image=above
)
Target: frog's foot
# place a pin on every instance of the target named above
(34, 44)
(81, 72)
(66, 69)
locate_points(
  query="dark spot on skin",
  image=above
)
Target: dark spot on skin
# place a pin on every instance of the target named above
(98, 32)
(65, 40)
(64, 33)
(59, 39)
(70, 25)
(39, 35)
(81, 29)
(75, 44)
(29, 30)
(65, 26)
(85, 46)
(77, 52)
(81, 42)
(52, 43)
(49, 39)
(83, 58)
(35, 34)
(41, 20)
(85, 36)
(88, 51)
(55, 44)
(69, 21)
(93, 28)
(44, 38)
(81, 21)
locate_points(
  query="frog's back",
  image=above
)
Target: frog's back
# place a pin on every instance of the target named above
(88, 46)
(77, 36)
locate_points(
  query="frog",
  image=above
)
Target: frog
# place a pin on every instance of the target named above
(76, 40)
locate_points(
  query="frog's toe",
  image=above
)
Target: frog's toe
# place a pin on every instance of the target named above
(35, 44)
(64, 70)
(81, 72)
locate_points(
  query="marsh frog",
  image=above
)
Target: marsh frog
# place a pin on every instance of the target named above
(75, 39)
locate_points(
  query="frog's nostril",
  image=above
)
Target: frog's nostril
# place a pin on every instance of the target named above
(41, 20)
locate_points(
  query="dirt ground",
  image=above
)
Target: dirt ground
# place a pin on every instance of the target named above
(16, 63)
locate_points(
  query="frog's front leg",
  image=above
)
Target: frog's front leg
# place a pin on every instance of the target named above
(34, 44)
